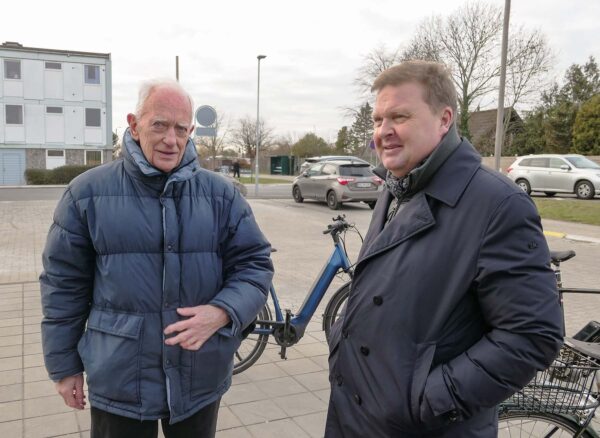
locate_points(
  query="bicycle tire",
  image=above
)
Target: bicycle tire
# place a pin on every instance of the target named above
(538, 424)
(333, 307)
(253, 346)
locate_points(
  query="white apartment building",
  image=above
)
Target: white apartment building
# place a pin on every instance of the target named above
(55, 109)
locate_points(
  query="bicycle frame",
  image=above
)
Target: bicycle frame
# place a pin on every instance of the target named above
(337, 260)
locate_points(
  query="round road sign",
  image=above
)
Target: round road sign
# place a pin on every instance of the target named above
(206, 115)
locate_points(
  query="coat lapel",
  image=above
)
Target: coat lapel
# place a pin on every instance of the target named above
(414, 218)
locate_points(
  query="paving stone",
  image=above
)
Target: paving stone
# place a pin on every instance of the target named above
(11, 340)
(238, 432)
(314, 381)
(33, 360)
(32, 328)
(258, 412)
(11, 363)
(313, 349)
(38, 407)
(32, 348)
(10, 321)
(11, 411)
(277, 429)
(50, 425)
(39, 389)
(10, 314)
(323, 394)
(83, 418)
(322, 361)
(313, 424)
(227, 419)
(299, 366)
(263, 372)
(281, 386)
(11, 377)
(11, 393)
(11, 429)
(11, 351)
(300, 404)
(11, 330)
(35, 374)
(243, 393)
(31, 338)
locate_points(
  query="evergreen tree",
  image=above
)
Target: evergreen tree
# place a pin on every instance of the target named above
(361, 133)
(586, 129)
(342, 143)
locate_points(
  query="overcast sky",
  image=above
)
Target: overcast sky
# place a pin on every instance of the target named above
(313, 47)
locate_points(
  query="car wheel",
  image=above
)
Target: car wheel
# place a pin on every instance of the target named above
(584, 190)
(550, 194)
(524, 184)
(372, 204)
(332, 200)
(297, 194)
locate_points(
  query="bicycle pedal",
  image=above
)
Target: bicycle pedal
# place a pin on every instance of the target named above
(282, 353)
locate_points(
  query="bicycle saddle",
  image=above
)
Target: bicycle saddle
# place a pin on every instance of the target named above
(561, 256)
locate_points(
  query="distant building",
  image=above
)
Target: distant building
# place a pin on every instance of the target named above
(482, 126)
(55, 109)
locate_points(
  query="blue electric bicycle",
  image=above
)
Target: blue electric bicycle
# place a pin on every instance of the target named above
(287, 329)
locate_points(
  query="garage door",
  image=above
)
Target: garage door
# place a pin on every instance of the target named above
(12, 167)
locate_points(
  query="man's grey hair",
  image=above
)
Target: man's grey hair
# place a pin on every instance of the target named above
(148, 86)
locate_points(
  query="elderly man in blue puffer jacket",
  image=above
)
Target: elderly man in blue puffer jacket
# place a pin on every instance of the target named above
(153, 268)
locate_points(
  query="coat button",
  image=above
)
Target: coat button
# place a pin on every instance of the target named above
(453, 415)
(168, 362)
(364, 350)
(339, 379)
(167, 304)
(344, 333)
(170, 247)
(357, 399)
(377, 300)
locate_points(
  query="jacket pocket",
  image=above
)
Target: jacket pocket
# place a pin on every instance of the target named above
(423, 361)
(110, 351)
(212, 364)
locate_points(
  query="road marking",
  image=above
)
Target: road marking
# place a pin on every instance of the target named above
(555, 234)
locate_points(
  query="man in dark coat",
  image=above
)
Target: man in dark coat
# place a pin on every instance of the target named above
(153, 268)
(453, 305)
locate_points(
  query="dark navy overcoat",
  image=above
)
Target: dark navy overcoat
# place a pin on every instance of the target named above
(453, 307)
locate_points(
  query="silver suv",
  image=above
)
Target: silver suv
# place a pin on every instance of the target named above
(338, 181)
(554, 174)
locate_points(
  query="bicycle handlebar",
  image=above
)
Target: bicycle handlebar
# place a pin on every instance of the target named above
(339, 225)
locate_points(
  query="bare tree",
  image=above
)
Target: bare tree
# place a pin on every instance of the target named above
(375, 62)
(244, 136)
(214, 145)
(468, 42)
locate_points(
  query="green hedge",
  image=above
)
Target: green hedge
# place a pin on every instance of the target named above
(60, 175)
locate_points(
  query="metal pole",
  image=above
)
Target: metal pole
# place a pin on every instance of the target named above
(177, 68)
(259, 57)
(500, 112)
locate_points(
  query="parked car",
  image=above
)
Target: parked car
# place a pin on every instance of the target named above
(554, 174)
(308, 162)
(338, 181)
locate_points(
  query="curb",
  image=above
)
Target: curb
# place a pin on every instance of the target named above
(575, 237)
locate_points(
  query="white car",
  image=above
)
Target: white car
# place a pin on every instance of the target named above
(554, 174)
(312, 160)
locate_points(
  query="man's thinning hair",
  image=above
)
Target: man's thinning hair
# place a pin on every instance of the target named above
(439, 90)
(147, 87)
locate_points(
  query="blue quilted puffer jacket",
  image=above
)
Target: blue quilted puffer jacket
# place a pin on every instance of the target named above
(128, 246)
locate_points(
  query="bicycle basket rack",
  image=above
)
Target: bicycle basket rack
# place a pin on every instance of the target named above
(568, 386)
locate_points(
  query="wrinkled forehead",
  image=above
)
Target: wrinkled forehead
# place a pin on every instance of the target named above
(168, 102)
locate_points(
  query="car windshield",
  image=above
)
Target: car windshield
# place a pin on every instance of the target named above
(582, 163)
(354, 170)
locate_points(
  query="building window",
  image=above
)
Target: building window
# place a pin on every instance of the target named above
(14, 114)
(92, 117)
(54, 110)
(92, 74)
(93, 158)
(54, 65)
(56, 153)
(12, 69)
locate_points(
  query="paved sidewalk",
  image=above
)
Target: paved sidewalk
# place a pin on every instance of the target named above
(274, 398)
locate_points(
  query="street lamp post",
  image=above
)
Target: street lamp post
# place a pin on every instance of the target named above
(259, 57)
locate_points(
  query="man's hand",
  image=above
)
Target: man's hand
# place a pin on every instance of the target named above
(71, 390)
(202, 323)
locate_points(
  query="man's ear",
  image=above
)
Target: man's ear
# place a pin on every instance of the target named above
(446, 119)
(191, 129)
(132, 122)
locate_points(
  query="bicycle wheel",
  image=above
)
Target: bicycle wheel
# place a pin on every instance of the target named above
(537, 424)
(253, 346)
(333, 309)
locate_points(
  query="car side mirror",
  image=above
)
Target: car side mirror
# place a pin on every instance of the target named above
(305, 174)
(564, 167)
